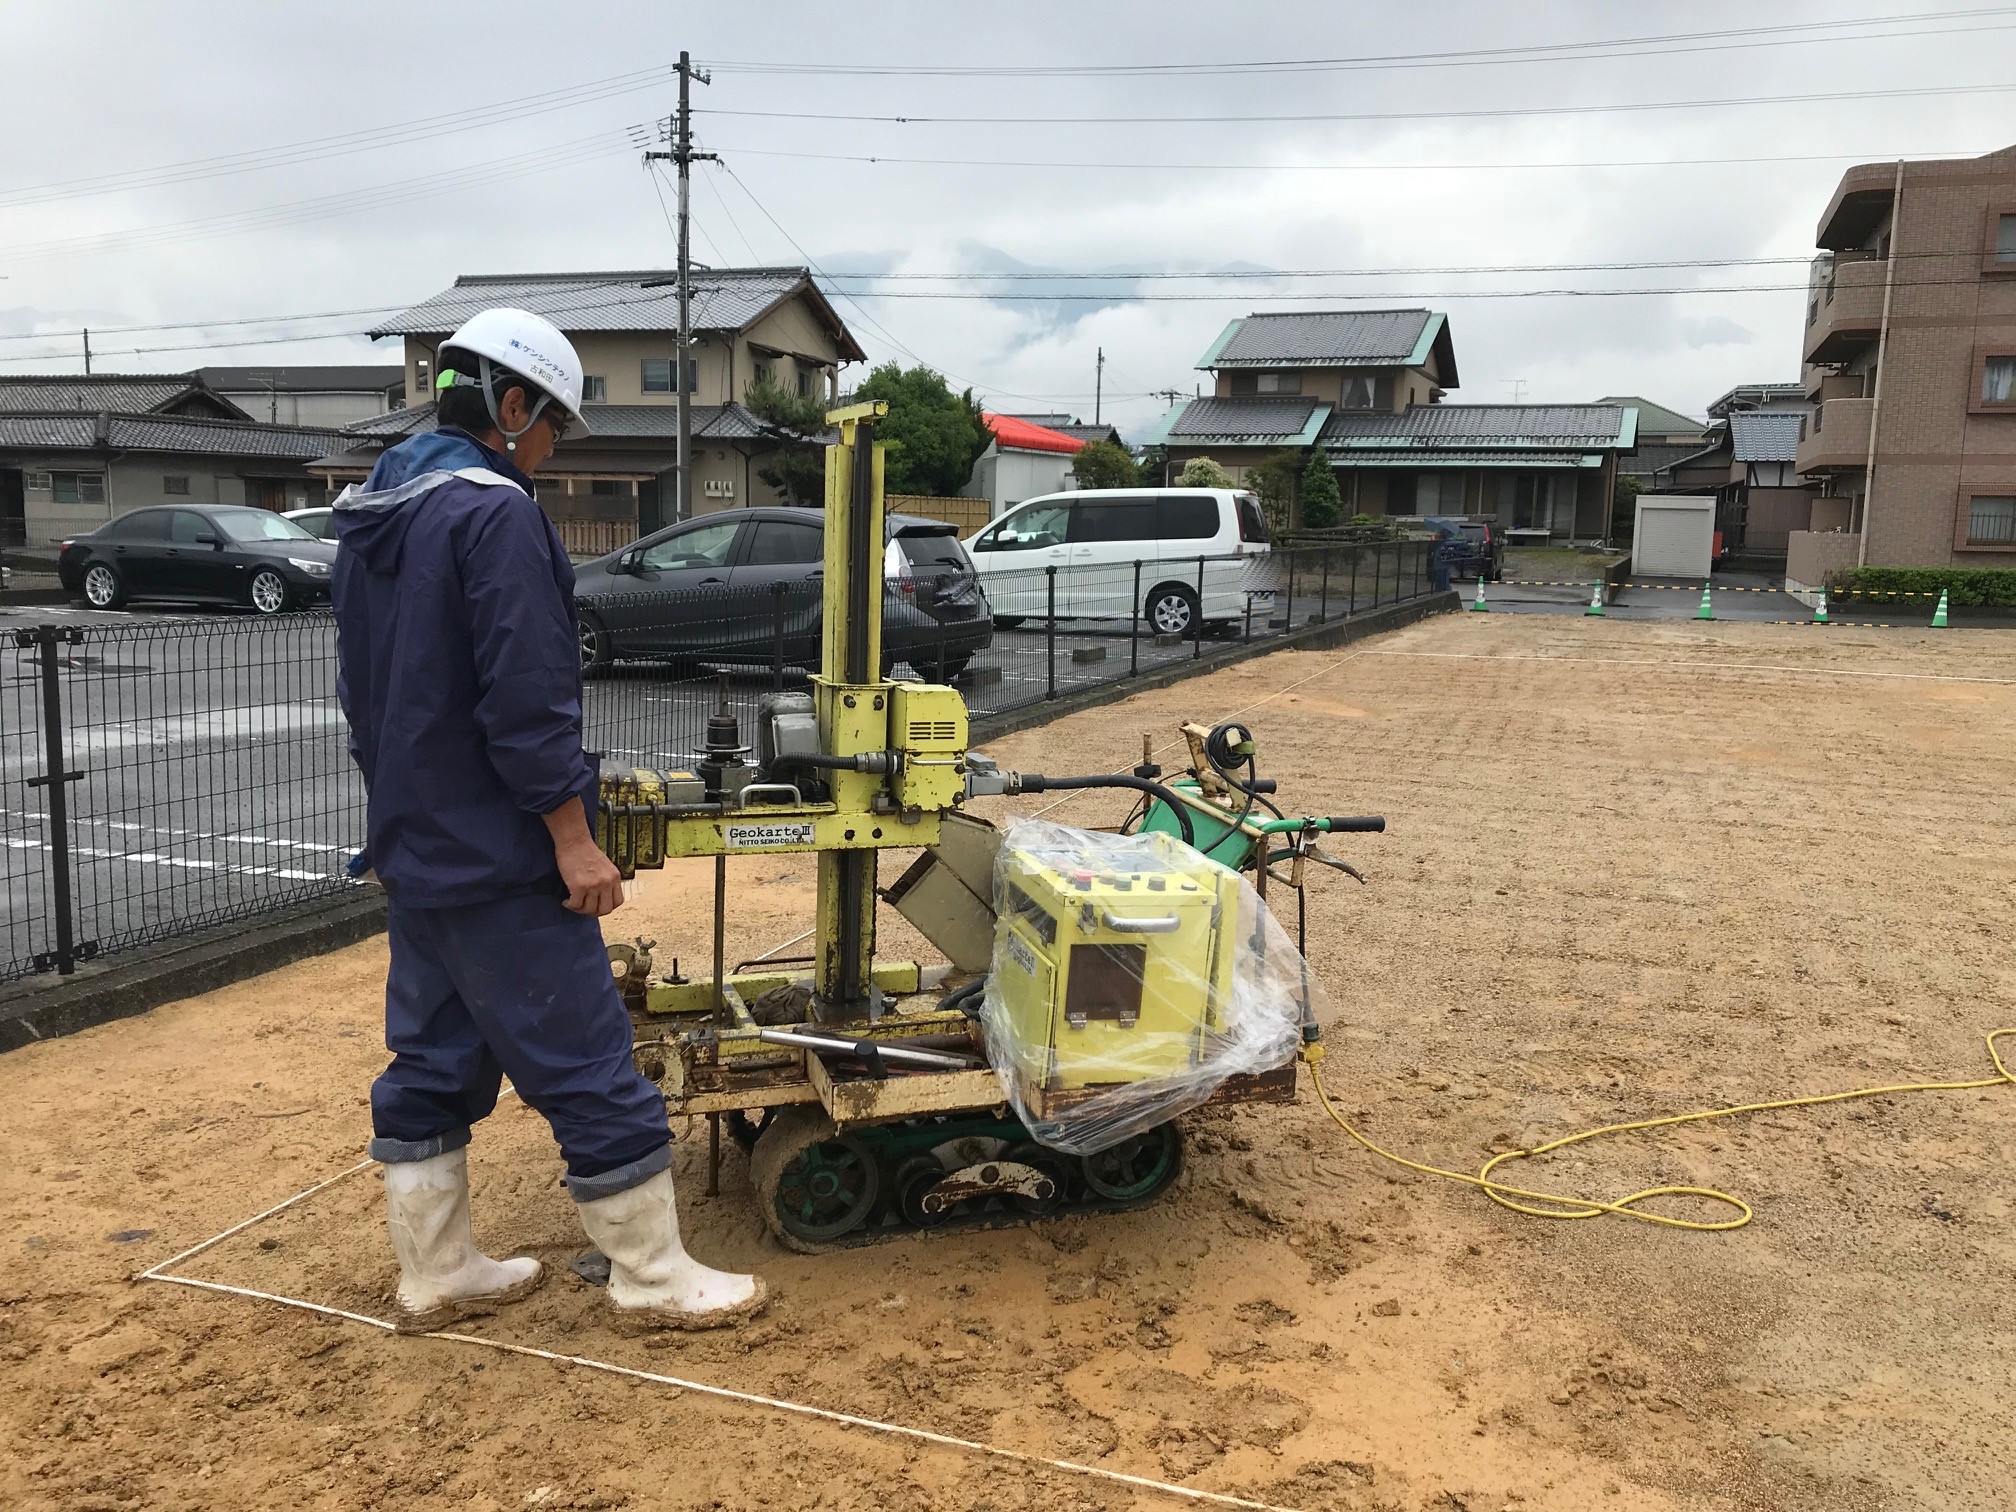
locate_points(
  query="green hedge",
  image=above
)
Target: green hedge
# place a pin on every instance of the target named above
(1966, 587)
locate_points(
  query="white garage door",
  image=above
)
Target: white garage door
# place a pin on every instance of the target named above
(1675, 537)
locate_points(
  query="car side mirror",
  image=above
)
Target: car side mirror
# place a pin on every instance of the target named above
(213, 541)
(626, 563)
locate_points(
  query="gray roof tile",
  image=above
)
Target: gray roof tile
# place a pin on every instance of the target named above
(165, 433)
(1285, 417)
(1322, 336)
(1766, 435)
(132, 393)
(1480, 425)
(724, 299)
(1649, 459)
(348, 378)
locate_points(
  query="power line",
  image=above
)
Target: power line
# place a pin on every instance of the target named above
(1502, 113)
(1233, 298)
(339, 145)
(1886, 155)
(1539, 52)
(1262, 274)
(294, 212)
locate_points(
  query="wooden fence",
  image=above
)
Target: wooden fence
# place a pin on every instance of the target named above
(594, 538)
(967, 514)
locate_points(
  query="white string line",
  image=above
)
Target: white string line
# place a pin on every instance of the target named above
(746, 1398)
(153, 1272)
(1684, 666)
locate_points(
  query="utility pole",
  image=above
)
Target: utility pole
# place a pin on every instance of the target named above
(87, 349)
(1098, 385)
(684, 156)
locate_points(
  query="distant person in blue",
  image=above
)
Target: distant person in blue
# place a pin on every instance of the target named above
(460, 674)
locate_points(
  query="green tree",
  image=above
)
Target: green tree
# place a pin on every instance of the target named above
(1104, 465)
(1274, 481)
(1322, 503)
(1624, 506)
(934, 435)
(1202, 472)
(797, 468)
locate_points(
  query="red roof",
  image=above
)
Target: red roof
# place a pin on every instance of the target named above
(1022, 436)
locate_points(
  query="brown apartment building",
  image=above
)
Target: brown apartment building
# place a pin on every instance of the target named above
(1910, 351)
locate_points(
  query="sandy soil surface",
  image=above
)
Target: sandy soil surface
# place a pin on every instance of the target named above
(1631, 869)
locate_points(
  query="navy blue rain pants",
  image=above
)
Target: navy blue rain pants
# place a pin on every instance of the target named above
(519, 987)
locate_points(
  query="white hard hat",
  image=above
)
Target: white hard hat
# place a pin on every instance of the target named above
(530, 346)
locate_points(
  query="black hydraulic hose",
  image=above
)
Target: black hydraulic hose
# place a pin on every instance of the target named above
(1032, 783)
(967, 998)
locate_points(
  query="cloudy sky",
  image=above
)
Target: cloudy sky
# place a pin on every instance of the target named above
(237, 160)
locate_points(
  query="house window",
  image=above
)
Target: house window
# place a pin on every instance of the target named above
(77, 488)
(762, 370)
(175, 483)
(1279, 383)
(657, 375)
(804, 383)
(594, 390)
(1991, 520)
(36, 482)
(2005, 238)
(1998, 380)
(1357, 391)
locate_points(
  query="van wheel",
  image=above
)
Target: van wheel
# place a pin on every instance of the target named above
(1171, 609)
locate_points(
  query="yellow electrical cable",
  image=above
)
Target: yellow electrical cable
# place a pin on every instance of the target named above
(1626, 1207)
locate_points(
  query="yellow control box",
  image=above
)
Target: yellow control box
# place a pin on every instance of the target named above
(927, 724)
(1107, 978)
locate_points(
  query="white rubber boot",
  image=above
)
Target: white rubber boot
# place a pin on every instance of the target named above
(653, 1282)
(442, 1275)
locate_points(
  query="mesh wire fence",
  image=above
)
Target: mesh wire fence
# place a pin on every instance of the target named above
(203, 768)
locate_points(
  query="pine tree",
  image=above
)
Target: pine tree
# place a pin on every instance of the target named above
(1322, 503)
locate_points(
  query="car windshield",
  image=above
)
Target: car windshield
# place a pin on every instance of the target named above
(259, 525)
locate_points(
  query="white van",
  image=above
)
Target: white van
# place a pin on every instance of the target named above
(1095, 536)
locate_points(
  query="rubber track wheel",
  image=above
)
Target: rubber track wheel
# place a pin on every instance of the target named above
(793, 1131)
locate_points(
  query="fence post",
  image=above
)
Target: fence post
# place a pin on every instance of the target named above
(1351, 604)
(46, 638)
(777, 636)
(1288, 619)
(1134, 625)
(1197, 619)
(941, 651)
(1050, 627)
(1249, 616)
(1323, 597)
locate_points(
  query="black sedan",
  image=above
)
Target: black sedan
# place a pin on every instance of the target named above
(199, 554)
(746, 586)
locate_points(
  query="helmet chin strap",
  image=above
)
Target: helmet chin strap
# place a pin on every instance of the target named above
(490, 402)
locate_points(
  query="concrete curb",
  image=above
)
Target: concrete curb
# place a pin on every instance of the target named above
(45, 1007)
(49, 1007)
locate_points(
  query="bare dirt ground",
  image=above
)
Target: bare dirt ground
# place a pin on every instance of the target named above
(1631, 869)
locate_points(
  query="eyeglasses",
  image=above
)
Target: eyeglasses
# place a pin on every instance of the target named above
(558, 421)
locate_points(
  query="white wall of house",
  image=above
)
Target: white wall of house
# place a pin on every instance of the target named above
(333, 409)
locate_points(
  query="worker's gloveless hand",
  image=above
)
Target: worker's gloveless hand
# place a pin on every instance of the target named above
(594, 886)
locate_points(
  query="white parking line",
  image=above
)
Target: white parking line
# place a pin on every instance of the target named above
(278, 842)
(180, 863)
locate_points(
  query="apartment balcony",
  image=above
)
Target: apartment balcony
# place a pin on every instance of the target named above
(1838, 439)
(1844, 314)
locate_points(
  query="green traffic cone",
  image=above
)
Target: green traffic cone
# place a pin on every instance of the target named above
(1477, 607)
(1820, 609)
(1707, 609)
(1939, 614)
(1595, 601)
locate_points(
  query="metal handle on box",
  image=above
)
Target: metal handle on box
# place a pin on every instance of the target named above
(1161, 924)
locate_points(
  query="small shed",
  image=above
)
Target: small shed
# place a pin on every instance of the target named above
(1674, 536)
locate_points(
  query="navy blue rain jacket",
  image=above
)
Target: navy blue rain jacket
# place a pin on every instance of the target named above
(459, 669)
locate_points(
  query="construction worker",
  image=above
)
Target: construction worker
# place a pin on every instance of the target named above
(460, 674)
